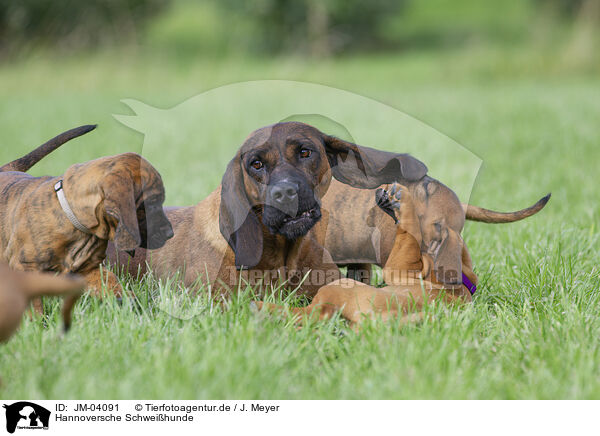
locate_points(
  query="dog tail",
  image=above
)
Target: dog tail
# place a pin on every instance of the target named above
(24, 163)
(475, 213)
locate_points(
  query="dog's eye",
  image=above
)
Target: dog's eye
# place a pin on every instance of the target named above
(305, 152)
(257, 164)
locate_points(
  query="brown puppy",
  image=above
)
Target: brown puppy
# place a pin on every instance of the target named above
(118, 198)
(359, 234)
(260, 219)
(409, 274)
(18, 289)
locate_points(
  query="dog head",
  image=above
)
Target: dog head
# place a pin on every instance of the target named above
(133, 195)
(442, 218)
(280, 174)
(123, 195)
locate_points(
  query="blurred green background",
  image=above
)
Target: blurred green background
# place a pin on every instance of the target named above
(561, 35)
(516, 82)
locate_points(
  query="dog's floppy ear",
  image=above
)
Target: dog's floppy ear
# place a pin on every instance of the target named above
(447, 263)
(119, 203)
(238, 223)
(367, 168)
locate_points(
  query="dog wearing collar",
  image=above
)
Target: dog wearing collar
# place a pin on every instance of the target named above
(63, 224)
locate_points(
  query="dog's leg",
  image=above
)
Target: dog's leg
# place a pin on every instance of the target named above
(358, 302)
(34, 284)
(323, 306)
(319, 309)
(405, 261)
(37, 307)
(95, 280)
(355, 302)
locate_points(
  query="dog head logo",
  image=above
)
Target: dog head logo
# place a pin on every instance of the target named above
(26, 415)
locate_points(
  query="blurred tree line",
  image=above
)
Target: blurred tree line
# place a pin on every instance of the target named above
(72, 24)
(317, 27)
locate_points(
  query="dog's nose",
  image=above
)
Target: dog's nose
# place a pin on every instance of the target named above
(284, 193)
(168, 232)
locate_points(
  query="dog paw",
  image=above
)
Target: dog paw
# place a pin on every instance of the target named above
(256, 306)
(389, 200)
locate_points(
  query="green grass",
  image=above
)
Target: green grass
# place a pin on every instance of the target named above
(532, 332)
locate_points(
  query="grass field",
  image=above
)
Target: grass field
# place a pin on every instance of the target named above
(533, 330)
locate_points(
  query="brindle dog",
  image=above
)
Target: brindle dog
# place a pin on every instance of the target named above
(258, 225)
(113, 198)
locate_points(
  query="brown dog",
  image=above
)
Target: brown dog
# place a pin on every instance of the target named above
(359, 234)
(426, 244)
(261, 217)
(410, 275)
(63, 224)
(17, 289)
